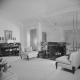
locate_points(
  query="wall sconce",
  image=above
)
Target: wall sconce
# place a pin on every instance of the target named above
(2, 38)
(13, 38)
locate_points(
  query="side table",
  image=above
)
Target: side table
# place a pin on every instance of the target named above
(42, 54)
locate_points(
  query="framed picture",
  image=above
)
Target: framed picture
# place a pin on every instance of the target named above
(8, 35)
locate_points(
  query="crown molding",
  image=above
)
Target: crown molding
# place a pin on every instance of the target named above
(50, 14)
(62, 11)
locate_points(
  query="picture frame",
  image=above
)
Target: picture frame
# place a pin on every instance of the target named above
(8, 35)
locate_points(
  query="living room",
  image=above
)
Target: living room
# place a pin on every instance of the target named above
(59, 20)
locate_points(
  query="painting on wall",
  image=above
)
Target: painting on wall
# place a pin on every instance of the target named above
(8, 35)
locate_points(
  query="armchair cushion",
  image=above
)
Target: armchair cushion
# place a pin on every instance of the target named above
(63, 60)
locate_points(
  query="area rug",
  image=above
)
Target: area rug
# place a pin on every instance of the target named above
(10, 58)
(41, 69)
(34, 69)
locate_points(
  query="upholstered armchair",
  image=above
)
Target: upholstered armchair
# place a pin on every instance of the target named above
(71, 61)
(28, 53)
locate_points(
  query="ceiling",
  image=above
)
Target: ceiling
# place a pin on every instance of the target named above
(27, 9)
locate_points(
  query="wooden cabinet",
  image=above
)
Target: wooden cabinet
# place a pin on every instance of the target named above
(9, 49)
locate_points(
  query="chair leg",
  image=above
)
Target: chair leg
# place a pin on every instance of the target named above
(56, 64)
(21, 57)
(73, 69)
(28, 58)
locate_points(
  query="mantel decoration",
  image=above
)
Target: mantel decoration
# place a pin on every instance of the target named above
(8, 35)
(43, 45)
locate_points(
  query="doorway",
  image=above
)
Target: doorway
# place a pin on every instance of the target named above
(44, 36)
(33, 39)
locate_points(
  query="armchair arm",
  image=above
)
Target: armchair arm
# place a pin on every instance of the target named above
(75, 59)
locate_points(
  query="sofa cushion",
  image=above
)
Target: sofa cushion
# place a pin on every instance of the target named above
(63, 59)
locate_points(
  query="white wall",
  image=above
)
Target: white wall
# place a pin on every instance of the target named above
(54, 34)
(55, 26)
(5, 24)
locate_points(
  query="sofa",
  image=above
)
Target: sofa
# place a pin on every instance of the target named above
(28, 53)
(70, 61)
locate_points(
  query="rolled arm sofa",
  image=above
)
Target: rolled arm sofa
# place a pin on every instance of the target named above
(71, 62)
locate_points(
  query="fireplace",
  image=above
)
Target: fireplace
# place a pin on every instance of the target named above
(56, 49)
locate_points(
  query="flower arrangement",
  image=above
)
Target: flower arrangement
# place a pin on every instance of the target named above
(43, 45)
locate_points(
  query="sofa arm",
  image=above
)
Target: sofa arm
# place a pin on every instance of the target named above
(75, 59)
